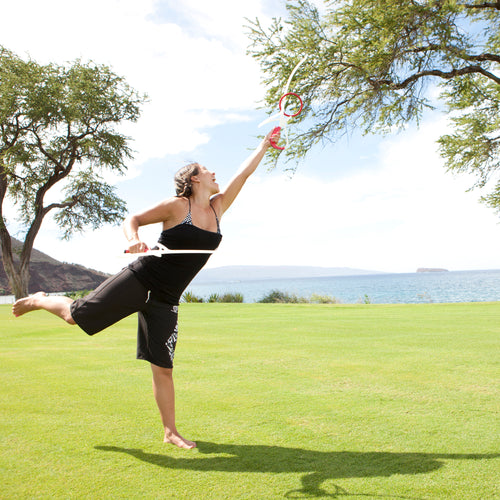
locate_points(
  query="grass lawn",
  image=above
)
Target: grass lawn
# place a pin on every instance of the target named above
(285, 401)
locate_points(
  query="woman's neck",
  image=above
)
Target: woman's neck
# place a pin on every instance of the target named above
(200, 199)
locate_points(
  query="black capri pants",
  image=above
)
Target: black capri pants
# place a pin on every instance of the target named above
(119, 297)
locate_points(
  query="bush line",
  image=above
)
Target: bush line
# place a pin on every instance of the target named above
(273, 297)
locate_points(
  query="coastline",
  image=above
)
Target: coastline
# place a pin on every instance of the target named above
(450, 286)
(379, 288)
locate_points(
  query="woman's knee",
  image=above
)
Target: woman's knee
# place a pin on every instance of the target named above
(70, 320)
(161, 371)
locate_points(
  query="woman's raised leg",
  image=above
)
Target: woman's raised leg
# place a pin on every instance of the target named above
(55, 304)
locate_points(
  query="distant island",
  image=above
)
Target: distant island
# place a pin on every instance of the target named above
(431, 270)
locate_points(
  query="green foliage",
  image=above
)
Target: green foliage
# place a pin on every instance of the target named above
(231, 298)
(474, 146)
(214, 297)
(89, 211)
(369, 65)
(322, 299)
(190, 297)
(279, 297)
(365, 299)
(58, 125)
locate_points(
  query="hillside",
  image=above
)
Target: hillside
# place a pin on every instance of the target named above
(51, 275)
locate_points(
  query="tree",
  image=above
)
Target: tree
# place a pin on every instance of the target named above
(370, 63)
(58, 127)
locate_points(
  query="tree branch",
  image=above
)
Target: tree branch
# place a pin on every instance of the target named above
(36, 224)
(12, 141)
(68, 204)
(486, 56)
(484, 5)
(434, 72)
(44, 152)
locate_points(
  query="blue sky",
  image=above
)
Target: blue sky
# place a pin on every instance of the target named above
(377, 203)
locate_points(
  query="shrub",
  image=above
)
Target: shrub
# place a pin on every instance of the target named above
(323, 299)
(231, 297)
(276, 296)
(191, 297)
(226, 297)
(365, 299)
(214, 297)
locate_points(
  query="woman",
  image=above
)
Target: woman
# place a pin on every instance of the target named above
(152, 286)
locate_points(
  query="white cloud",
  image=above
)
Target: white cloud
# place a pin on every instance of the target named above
(220, 19)
(187, 77)
(404, 212)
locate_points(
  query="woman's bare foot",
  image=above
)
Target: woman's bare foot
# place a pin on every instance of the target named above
(178, 440)
(22, 306)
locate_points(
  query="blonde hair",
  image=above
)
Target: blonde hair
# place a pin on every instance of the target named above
(182, 179)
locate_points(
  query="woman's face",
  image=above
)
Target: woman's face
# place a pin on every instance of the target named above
(207, 179)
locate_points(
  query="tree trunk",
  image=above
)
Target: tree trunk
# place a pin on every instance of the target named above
(19, 283)
(18, 276)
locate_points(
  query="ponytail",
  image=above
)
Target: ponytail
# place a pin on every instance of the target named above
(182, 179)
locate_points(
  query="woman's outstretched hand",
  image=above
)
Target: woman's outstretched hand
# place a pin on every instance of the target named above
(272, 137)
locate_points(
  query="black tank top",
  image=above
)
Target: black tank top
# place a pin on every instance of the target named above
(169, 275)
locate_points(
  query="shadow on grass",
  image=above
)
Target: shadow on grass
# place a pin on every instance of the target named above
(317, 466)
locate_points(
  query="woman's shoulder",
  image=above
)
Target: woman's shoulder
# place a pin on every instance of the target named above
(176, 207)
(170, 209)
(216, 202)
(175, 203)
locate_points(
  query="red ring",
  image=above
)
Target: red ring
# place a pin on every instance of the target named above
(298, 97)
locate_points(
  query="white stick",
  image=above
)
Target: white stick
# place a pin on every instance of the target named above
(292, 74)
(281, 117)
(163, 250)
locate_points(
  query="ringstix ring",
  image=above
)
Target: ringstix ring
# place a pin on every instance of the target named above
(300, 100)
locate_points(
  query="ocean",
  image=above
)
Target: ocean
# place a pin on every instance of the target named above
(452, 286)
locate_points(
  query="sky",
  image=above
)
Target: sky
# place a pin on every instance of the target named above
(366, 202)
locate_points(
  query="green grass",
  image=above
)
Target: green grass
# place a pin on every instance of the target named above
(285, 401)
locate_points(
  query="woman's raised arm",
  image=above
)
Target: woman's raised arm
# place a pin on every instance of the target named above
(225, 198)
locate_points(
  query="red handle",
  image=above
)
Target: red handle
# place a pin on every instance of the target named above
(273, 144)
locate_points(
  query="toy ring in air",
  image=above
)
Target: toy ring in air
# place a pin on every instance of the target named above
(282, 117)
(300, 100)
